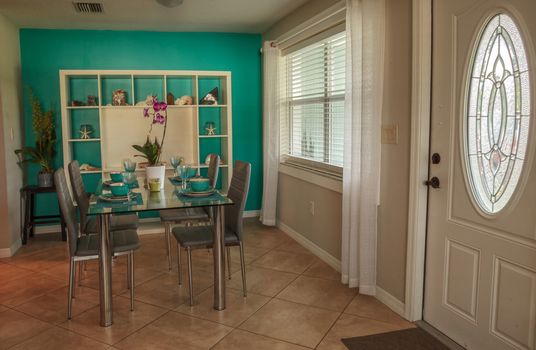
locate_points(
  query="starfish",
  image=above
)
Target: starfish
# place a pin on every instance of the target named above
(211, 130)
(85, 133)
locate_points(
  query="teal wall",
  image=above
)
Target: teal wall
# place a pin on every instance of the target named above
(45, 52)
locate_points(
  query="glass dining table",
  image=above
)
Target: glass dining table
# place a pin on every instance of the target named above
(143, 200)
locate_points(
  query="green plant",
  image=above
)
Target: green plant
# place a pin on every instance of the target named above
(157, 113)
(45, 138)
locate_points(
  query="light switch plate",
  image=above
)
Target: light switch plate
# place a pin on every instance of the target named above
(390, 134)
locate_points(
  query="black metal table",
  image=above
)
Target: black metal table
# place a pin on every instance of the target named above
(28, 219)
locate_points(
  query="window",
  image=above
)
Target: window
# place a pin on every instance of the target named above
(498, 114)
(313, 103)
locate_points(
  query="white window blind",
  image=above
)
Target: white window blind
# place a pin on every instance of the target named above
(313, 102)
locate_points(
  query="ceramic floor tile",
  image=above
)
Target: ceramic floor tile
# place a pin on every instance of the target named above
(266, 240)
(16, 327)
(291, 322)
(370, 307)
(348, 326)
(291, 246)
(238, 308)
(125, 322)
(322, 270)
(3, 308)
(250, 253)
(165, 291)
(21, 290)
(59, 339)
(262, 281)
(52, 307)
(176, 331)
(10, 272)
(242, 340)
(42, 260)
(327, 294)
(287, 262)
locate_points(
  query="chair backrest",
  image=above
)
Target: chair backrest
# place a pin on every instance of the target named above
(79, 190)
(213, 169)
(238, 193)
(68, 210)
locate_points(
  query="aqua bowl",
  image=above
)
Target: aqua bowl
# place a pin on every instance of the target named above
(119, 189)
(116, 176)
(199, 184)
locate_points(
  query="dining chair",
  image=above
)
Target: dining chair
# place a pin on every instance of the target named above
(195, 237)
(189, 216)
(89, 224)
(86, 247)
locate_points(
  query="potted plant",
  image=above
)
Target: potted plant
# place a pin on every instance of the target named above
(152, 150)
(45, 140)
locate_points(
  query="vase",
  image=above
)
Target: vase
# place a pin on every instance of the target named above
(156, 172)
(45, 179)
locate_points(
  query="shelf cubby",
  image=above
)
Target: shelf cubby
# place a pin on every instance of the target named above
(83, 116)
(80, 87)
(110, 83)
(148, 85)
(207, 83)
(182, 86)
(88, 152)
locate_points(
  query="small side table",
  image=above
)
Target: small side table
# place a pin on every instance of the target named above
(28, 219)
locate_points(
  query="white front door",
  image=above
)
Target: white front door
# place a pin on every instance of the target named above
(480, 287)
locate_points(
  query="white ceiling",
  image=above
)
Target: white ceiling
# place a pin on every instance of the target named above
(240, 16)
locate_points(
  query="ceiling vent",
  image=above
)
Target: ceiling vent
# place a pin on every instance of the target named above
(88, 7)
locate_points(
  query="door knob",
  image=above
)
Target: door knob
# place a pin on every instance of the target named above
(433, 182)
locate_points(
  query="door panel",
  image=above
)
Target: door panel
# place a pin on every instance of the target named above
(480, 286)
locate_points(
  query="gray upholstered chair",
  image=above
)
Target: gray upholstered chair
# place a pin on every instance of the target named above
(89, 224)
(189, 216)
(86, 247)
(201, 236)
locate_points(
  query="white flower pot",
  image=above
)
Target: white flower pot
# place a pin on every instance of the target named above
(156, 172)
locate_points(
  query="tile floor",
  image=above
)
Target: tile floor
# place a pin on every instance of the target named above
(295, 301)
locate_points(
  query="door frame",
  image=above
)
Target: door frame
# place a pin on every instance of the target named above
(421, 89)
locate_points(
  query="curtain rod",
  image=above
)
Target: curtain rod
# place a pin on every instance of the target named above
(323, 17)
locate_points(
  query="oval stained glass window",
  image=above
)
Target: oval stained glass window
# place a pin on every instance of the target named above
(498, 114)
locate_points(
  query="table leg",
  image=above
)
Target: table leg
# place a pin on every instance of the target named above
(105, 270)
(22, 217)
(32, 214)
(219, 264)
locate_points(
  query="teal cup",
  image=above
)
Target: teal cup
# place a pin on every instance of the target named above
(119, 189)
(116, 176)
(199, 184)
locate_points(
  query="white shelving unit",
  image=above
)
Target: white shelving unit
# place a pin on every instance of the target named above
(117, 128)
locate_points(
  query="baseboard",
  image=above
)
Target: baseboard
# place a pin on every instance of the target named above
(251, 213)
(312, 247)
(390, 301)
(7, 252)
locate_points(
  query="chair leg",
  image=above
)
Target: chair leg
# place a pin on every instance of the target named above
(70, 293)
(190, 282)
(228, 258)
(179, 269)
(129, 262)
(131, 278)
(243, 268)
(168, 242)
(80, 270)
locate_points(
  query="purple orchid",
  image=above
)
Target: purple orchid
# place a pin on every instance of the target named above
(146, 112)
(159, 118)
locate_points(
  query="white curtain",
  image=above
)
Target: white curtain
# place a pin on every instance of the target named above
(270, 132)
(365, 32)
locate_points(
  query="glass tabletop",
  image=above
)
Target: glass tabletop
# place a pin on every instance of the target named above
(141, 199)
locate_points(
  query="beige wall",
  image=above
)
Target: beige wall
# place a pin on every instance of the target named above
(324, 227)
(10, 122)
(294, 194)
(394, 189)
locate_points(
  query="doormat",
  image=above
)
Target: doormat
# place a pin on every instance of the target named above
(407, 339)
